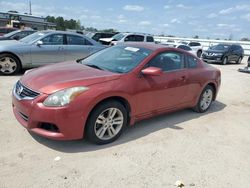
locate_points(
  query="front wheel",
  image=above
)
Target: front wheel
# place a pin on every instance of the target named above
(9, 64)
(224, 61)
(205, 99)
(239, 60)
(106, 122)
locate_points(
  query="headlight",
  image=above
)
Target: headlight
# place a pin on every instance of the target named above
(64, 97)
(217, 54)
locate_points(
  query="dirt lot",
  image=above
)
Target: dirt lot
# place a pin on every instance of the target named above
(202, 150)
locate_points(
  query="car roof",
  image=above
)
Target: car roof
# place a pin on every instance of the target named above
(147, 45)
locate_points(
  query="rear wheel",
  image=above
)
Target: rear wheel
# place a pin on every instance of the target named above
(106, 122)
(199, 53)
(9, 64)
(205, 99)
(239, 60)
(225, 60)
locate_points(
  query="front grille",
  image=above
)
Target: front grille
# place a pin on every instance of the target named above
(22, 92)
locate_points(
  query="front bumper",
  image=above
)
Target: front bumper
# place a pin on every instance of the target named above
(32, 114)
(212, 59)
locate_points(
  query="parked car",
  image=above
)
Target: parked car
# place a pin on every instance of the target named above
(224, 53)
(127, 37)
(196, 46)
(43, 48)
(99, 95)
(17, 35)
(5, 30)
(186, 48)
(97, 35)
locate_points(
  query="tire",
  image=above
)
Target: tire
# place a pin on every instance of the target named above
(9, 64)
(205, 99)
(199, 54)
(224, 61)
(239, 60)
(100, 128)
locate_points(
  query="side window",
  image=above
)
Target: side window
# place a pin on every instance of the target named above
(130, 38)
(192, 61)
(77, 40)
(185, 47)
(55, 39)
(139, 38)
(168, 61)
(194, 44)
(150, 39)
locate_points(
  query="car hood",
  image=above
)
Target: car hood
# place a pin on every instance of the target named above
(106, 39)
(215, 51)
(58, 76)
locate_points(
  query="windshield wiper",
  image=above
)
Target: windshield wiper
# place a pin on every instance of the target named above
(94, 66)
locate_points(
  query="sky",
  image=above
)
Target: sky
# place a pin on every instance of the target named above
(213, 19)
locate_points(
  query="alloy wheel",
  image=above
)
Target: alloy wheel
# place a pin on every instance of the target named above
(7, 65)
(206, 99)
(109, 123)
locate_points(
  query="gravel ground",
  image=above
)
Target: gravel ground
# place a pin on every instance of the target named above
(201, 150)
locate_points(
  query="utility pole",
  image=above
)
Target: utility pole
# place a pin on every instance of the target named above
(30, 7)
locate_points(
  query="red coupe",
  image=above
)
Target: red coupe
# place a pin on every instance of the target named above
(99, 95)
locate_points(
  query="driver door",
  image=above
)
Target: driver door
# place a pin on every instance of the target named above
(52, 50)
(166, 91)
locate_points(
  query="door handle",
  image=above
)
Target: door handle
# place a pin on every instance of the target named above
(183, 78)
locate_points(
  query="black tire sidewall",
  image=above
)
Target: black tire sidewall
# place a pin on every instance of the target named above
(18, 64)
(90, 132)
(198, 106)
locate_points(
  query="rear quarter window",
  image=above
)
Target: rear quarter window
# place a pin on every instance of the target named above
(150, 39)
(192, 62)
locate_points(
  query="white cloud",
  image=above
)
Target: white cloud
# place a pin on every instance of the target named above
(225, 26)
(167, 7)
(135, 8)
(175, 20)
(246, 17)
(227, 11)
(122, 21)
(182, 6)
(212, 15)
(121, 16)
(166, 25)
(235, 8)
(144, 23)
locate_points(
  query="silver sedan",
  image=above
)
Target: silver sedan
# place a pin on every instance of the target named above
(43, 48)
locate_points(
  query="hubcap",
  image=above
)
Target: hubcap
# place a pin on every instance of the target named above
(108, 124)
(7, 65)
(206, 99)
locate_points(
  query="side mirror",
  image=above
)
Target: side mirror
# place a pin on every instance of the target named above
(152, 71)
(39, 43)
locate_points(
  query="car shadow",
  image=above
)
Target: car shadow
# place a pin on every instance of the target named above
(139, 130)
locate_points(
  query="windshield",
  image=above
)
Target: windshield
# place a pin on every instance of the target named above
(220, 47)
(118, 37)
(11, 33)
(33, 37)
(90, 35)
(118, 59)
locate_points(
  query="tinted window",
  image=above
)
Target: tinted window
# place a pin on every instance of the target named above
(168, 61)
(220, 47)
(77, 40)
(194, 44)
(150, 39)
(133, 38)
(55, 39)
(22, 34)
(192, 61)
(184, 47)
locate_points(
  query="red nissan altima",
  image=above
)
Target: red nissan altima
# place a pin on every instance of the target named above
(98, 96)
